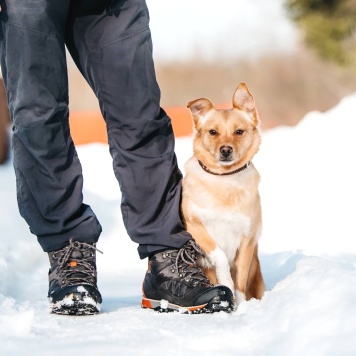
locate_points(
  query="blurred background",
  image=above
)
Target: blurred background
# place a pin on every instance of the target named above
(295, 55)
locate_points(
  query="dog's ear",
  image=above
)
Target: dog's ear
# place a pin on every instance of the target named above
(243, 100)
(199, 108)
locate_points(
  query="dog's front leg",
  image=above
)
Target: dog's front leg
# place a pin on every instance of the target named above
(215, 256)
(243, 265)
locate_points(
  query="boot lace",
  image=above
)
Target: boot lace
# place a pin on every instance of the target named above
(75, 263)
(185, 263)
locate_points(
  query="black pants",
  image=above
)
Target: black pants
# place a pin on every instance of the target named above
(110, 42)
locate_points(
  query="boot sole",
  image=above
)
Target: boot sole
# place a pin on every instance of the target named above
(163, 306)
(75, 304)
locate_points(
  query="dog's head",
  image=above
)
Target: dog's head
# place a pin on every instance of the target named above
(229, 138)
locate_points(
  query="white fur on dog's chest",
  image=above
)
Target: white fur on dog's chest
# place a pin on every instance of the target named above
(225, 226)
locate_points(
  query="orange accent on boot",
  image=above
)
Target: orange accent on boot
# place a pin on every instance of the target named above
(146, 303)
(72, 263)
(198, 307)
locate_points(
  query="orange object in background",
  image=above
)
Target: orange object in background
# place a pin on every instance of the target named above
(182, 121)
(89, 126)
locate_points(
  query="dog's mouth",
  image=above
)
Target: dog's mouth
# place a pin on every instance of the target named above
(226, 159)
(226, 155)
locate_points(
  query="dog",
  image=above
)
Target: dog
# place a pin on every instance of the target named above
(220, 200)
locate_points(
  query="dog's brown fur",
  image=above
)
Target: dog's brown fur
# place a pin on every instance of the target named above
(223, 212)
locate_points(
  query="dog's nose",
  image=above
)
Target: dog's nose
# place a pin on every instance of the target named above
(226, 151)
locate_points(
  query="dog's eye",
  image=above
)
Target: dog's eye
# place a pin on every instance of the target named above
(213, 132)
(239, 132)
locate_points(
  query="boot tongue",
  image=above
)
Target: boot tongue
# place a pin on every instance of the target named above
(76, 254)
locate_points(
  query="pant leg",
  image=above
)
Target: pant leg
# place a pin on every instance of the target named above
(114, 51)
(4, 124)
(48, 172)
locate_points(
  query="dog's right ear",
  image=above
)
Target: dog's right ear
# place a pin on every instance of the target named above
(199, 109)
(243, 100)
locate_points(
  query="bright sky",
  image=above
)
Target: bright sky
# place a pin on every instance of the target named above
(214, 29)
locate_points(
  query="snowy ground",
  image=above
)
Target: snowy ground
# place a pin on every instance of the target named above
(307, 251)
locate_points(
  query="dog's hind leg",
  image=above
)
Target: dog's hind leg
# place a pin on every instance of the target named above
(243, 263)
(255, 284)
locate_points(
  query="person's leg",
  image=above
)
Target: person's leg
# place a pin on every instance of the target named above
(111, 44)
(4, 124)
(48, 172)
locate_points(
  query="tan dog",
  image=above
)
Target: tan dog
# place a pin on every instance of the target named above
(221, 204)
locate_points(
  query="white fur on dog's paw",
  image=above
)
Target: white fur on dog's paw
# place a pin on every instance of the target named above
(222, 268)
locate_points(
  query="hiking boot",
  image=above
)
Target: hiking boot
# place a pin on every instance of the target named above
(174, 282)
(72, 280)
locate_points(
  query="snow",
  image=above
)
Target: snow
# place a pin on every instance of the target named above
(164, 304)
(307, 250)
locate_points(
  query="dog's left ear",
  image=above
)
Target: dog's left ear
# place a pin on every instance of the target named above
(243, 100)
(199, 109)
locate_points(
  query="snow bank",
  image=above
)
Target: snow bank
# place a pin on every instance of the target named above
(308, 257)
(308, 183)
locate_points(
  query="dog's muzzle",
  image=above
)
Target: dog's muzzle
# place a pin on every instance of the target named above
(226, 153)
